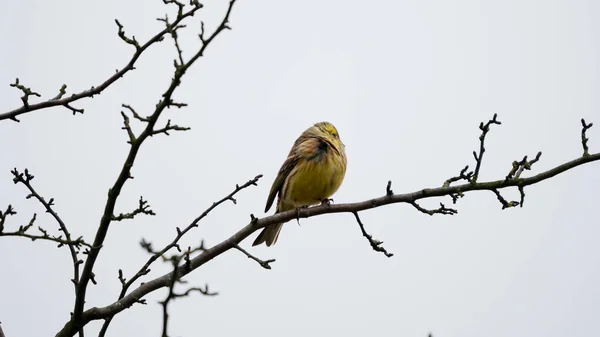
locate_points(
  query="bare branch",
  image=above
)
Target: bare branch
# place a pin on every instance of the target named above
(256, 224)
(132, 41)
(172, 295)
(441, 210)
(173, 32)
(485, 128)
(61, 92)
(519, 166)
(77, 320)
(135, 114)
(127, 127)
(74, 245)
(22, 232)
(375, 244)
(168, 128)
(143, 208)
(3, 215)
(145, 269)
(505, 204)
(95, 90)
(27, 92)
(464, 175)
(584, 139)
(264, 264)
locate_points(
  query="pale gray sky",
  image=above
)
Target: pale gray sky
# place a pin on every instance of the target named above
(406, 83)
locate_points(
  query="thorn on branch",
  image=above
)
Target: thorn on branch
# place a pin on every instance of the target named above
(375, 244)
(485, 128)
(264, 264)
(441, 210)
(584, 139)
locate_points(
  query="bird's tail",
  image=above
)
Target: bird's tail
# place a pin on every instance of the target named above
(270, 234)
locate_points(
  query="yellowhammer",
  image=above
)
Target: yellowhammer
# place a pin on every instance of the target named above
(312, 172)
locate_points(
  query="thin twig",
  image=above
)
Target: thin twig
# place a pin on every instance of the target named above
(441, 210)
(505, 204)
(264, 264)
(584, 139)
(375, 244)
(485, 128)
(175, 260)
(25, 179)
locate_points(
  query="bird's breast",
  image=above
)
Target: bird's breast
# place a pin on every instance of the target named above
(314, 180)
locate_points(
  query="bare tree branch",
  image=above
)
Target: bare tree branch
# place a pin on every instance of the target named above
(22, 232)
(256, 224)
(175, 260)
(584, 139)
(265, 264)
(74, 245)
(375, 244)
(77, 321)
(485, 128)
(60, 100)
(145, 269)
(143, 208)
(3, 215)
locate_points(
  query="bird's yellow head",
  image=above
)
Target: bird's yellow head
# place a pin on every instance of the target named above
(329, 132)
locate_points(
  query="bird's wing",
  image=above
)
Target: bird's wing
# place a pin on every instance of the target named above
(284, 171)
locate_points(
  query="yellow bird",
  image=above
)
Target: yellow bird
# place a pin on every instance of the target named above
(312, 172)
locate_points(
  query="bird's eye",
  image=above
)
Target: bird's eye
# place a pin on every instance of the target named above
(335, 135)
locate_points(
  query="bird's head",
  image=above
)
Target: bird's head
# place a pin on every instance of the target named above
(329, 132)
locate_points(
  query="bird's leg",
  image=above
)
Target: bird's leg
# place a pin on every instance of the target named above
(298, 213)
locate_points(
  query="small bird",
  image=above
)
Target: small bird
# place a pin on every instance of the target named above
(312, 172)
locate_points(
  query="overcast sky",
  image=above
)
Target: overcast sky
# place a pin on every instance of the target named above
(405, 82)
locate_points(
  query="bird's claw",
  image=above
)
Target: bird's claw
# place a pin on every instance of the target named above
(298, 213)
(326, 201)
